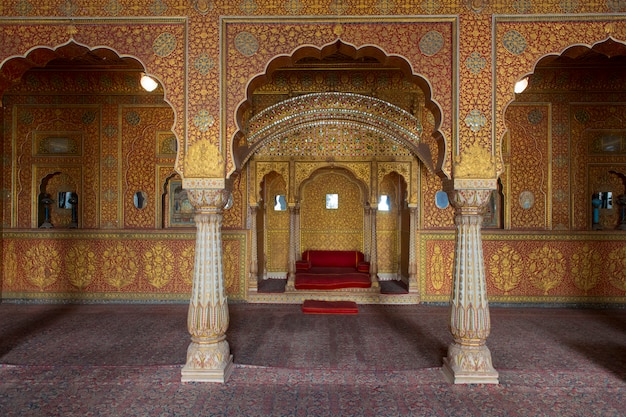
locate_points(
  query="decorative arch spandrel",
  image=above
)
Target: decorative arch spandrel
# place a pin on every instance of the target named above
(248, 45)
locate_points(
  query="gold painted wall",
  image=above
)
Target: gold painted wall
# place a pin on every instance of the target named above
(276, 227)
(534, 267)
(206, 53)
(110, 265)
(331, 229)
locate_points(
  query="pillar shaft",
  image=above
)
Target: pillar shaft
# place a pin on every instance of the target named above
(373, 250)
(469, 359)
(413, 287)
(208, 354)
(291, 267)
(254, 260)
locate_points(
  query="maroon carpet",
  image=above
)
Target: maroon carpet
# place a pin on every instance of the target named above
(125, 360)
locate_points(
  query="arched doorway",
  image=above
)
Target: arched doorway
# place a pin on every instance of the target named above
(341, 108)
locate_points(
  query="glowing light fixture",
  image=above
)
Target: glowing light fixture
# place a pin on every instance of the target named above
(148, 83)
(521, 85)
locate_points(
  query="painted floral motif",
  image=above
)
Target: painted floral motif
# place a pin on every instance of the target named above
(582, 116)
(88, 117)
(617, 268)
(158, 265)
(431, 43)
(569, 6)
(114, 8)
(546, 267)
(68, 8)
(185, 264)
(293, 6)
(10, 265)
(437, 268)
(203, 120)
(616, 6)
(23, 8)
(586, 268)
(535, 116)
(475, 120)
(26, 117)
(248, 6)
(133, 118)
(522, 6)
(338, 6)
(164, 44)
(110, 131)
(158, 7)
(80, 264)
(246, 43)
(385, 6)
(475, 63)
(506, 269)
(203, 64)
(514, 42)
(42, 265)
(431, 6)
(119, 264)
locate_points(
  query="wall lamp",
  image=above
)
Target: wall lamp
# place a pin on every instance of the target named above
(148, 83)
(521, 85)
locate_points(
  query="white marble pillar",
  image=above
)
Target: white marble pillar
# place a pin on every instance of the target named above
(367, 232)
(208, 354)
(297, 247)
(291, 267)
(469, 359)
(413, 286)
(254, 258)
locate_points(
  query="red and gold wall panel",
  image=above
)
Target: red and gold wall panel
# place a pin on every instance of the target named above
(110, 266)
(533, 268)
(528, 194)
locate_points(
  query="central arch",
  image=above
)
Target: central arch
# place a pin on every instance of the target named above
(364, 110)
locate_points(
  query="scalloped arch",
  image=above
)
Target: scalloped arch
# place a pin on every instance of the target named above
(242, 148)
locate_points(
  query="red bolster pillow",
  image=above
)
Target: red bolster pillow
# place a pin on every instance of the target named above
(303, 265)
(363, 267)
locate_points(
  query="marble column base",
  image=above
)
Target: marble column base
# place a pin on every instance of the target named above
(208, 363)
(469, 365)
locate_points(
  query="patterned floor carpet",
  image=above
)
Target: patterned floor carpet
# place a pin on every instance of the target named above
(125, 360)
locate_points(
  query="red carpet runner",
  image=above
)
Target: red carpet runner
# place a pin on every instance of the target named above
(329, 307)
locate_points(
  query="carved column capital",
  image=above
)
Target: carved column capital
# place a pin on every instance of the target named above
(469, 201)
(209, 199)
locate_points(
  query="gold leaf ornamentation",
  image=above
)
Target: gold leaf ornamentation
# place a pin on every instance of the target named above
(158, 262)
(476, 162)
(437, 268)
(80, 264)
(10, 264)
(506, 269)
(204, 161)
(586, 268)
(617, 268)
(185, 264)
(546, 268)
(120, 265)
(42, 265)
